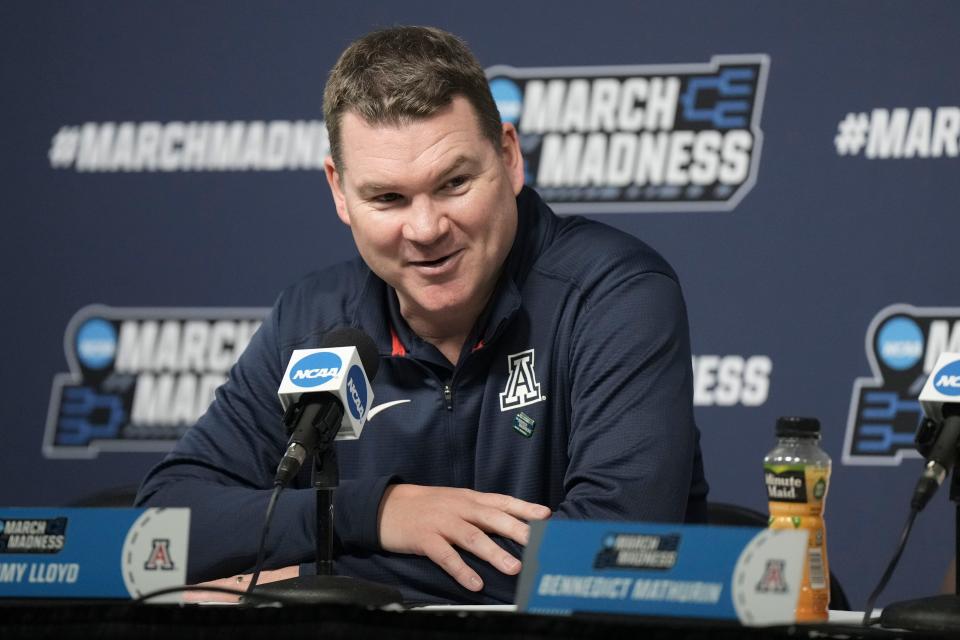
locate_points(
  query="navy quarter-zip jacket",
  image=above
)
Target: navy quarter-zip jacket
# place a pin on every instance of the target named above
(574, 391)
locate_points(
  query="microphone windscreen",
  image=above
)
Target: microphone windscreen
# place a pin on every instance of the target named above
(366, 348)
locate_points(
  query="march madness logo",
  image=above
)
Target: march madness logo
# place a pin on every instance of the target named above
(902, 343)
(140, 377)
(19, 535)
(676, 137)
(638, 551)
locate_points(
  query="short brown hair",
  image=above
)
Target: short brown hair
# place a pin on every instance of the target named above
(400, 74)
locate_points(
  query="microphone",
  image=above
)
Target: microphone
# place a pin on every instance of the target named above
(325, 394)
(940, 400)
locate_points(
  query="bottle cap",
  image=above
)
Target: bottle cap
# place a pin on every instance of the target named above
(797, 427)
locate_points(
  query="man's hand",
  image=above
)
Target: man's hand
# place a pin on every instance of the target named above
(240, 583)
(431, 521)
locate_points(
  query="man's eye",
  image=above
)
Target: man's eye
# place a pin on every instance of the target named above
(387, 198)
(457, 182)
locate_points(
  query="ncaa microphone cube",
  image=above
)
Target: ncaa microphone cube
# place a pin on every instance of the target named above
(943, 386)
(338, 371)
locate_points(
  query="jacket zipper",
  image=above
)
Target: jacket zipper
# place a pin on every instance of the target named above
(448, 397)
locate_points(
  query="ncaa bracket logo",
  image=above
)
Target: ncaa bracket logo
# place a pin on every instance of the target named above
(671, 137)
(139, 377)
(315, 369)
(902, 344)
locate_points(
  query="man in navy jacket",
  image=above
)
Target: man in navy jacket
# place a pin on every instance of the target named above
(531, 366)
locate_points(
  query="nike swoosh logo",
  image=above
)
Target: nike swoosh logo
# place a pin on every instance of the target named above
(380, 407)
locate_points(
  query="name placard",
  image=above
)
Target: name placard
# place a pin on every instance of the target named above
(736, 573)
(92, 553)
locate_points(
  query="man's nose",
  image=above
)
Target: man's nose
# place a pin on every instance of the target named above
(426, 223)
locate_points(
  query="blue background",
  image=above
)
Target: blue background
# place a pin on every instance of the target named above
(797, 271)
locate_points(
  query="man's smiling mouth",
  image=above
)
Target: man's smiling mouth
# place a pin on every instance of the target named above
(434, 264)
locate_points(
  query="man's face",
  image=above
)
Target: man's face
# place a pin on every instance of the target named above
(432, 207)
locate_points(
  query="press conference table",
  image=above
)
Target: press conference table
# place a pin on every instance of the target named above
(103, 620)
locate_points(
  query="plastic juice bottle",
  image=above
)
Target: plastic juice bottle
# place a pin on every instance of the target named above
(797, 474)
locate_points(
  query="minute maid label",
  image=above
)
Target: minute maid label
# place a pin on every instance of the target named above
(786, 483)
(797, 484)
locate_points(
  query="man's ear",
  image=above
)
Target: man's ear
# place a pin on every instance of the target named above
(512, 158)
(333, 179)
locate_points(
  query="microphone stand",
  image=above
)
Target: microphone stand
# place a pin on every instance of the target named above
(325, 587)
(936, 613)
(326, 478)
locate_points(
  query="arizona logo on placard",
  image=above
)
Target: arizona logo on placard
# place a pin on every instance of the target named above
(772, 579)
(159, 556)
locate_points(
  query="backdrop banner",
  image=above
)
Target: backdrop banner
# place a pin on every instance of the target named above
(795, 162)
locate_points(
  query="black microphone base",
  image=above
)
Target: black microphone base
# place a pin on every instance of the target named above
(937, 613)
(330, 590)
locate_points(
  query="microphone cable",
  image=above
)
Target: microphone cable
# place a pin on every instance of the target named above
(872, 600)
(258, 568)
(261, 551)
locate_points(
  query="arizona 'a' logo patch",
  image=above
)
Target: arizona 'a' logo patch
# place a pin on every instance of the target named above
(522, 386)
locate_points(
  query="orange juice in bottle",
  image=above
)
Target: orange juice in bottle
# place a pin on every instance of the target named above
(797, 473)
